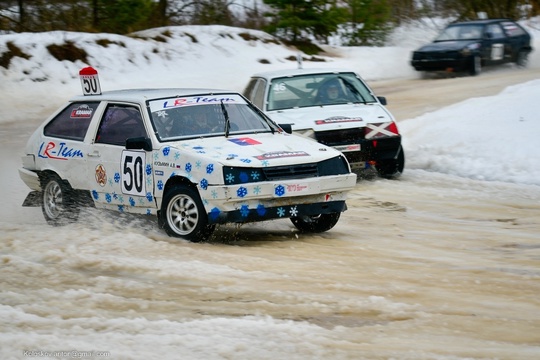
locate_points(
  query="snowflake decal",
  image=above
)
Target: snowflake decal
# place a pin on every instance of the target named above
(160, 185)
(210, 168)
(214, 213)
(148, 212)
(166, 150)
(176, 155)
(293, 211)
(255, 175)
(257, 190)
(230, 178)
(232, 156)
(280, 190)
(95, 194)
(247, 161)
(149, 196)
(156, 156)
(148, 169)
(188, 167)
(116, 178)
(131, 201)
(281, 212)
(261, 210)
(121, 208)
(108, 198)
(214, 194)
(115, 196)
(110, 182)
(241, 192)
(198, 164)
(244, 210)
(120, 198)
(204, 184)
(243, 177)
(265, 163)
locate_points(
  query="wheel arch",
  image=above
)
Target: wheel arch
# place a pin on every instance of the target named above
(43, 175)
(172, 181)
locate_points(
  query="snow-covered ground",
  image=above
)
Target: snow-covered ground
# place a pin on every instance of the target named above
(439, 265)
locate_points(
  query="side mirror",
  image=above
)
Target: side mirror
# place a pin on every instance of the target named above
(382, 100)
(138, 143)
(286, 127)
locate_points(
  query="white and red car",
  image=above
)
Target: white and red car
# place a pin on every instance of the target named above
(336, 108)
(148, 151)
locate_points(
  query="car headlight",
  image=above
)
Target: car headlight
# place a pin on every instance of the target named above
(233, 175)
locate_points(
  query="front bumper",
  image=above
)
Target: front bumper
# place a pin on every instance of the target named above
(261, 201)
(434, 62)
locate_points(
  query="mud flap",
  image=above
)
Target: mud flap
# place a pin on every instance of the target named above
(33, 199)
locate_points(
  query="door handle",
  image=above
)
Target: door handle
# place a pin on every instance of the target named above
(94, 154)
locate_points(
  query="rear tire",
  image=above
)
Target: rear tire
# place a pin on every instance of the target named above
(316, 223)
(58, 206)
(522, 58)
(183, 214)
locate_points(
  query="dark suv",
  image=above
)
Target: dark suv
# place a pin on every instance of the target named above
(467, 46)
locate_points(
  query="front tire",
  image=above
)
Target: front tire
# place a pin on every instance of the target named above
(183, 215)
(393, 168)
(476, 65)
(58, 206)
(316, 223)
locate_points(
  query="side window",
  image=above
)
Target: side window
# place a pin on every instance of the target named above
(258, 94)
(120, 122)
(72, 123)
(495, 31)
(255, 92)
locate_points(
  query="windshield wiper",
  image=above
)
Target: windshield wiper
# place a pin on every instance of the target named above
(351, 87)
(227, 121)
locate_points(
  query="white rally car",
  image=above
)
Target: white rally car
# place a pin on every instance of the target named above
(192, 157)
(336, 108)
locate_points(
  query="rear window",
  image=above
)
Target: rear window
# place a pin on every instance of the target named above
(512, 29)
(72, 123)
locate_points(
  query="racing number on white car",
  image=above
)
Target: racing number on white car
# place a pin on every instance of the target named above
(133, 165)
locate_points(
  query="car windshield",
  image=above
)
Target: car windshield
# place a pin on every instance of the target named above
(317, 90)
(461, 32)
(205, 115)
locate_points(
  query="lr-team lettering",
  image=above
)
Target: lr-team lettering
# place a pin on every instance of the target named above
(60, 152)
(196, 100)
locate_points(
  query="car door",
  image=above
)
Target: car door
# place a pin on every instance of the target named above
(496, 47)
(123, 179)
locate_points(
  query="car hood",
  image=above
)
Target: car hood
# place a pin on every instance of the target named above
(446, 45)
(330, 117)
(253, 150)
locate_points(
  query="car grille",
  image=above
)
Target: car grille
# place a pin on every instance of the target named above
(291, 172)
(340, 137)
(443, 55)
